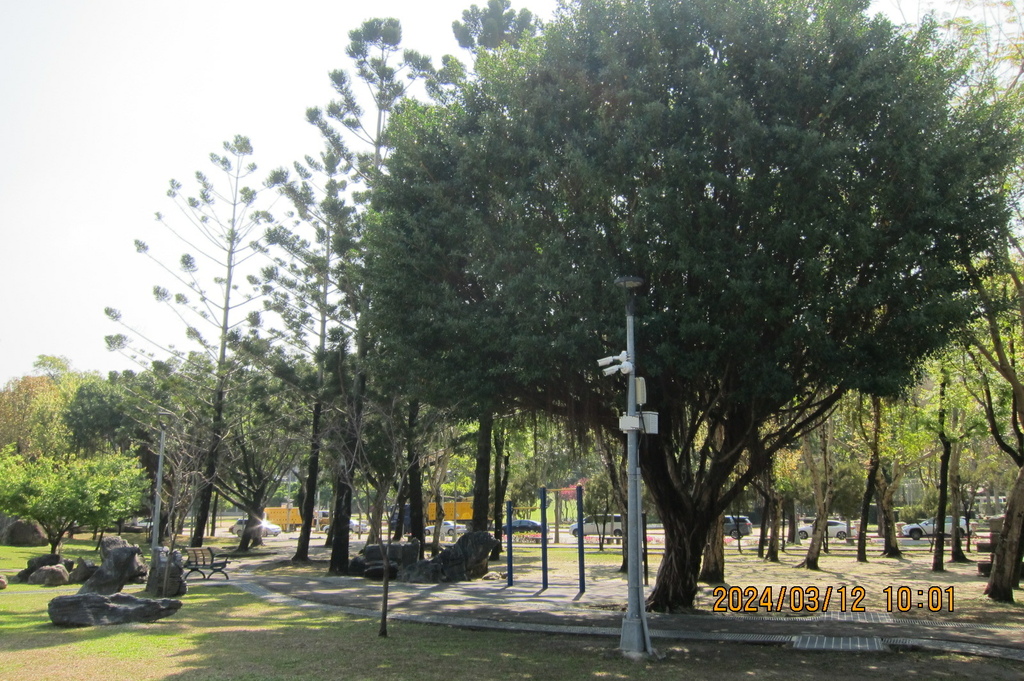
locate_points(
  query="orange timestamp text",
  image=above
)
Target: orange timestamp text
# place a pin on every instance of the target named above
(815, 599)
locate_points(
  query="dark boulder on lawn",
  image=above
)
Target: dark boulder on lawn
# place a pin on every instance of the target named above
(90, 609)
(466, 560)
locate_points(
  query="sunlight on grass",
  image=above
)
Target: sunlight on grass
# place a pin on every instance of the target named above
(224, 634)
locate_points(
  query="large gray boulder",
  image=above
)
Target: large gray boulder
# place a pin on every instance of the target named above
(404, 553)
(121, 565)
(370, 563)
(84, 610)
(167, 574)
(357, 566)
(25, 533)
(467, 559)
(83, 570)
(110, 542)
(50, 575)
(424, 572)
(42, 561)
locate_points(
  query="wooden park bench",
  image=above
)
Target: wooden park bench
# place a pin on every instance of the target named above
(205, 562)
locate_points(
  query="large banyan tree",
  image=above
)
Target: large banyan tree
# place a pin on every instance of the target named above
(796, 182)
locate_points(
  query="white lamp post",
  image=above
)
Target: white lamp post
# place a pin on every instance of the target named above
(634, 638)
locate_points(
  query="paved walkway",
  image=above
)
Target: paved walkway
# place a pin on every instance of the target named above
(526, 607)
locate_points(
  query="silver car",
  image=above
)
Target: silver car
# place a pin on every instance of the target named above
(928, 527)
(269, 529)
(836, 529)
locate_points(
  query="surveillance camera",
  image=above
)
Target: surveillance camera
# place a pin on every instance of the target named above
(625, 368)
(605, 361)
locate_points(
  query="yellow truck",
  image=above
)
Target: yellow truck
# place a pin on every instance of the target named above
(455, 511)
(289, 519)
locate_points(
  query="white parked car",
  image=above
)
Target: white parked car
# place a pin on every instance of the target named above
(929, 528)
(450, 529)
(269, 528)
(836, 529)
(354, 526)
(609, 526)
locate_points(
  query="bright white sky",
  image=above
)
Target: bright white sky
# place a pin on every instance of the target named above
(102, 102)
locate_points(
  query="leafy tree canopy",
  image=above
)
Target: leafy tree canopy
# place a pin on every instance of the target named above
(62, 492)
(493, 26)
(795, 181)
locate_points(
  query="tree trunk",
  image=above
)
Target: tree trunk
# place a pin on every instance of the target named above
(821, 478)
(418, 528)
(762, 539)
(386, 550)
(956, 549)
(676, 585)
(205, 495)
(396, 528)
(947, 449)
(252, 536)
(772, 551)
(874, 464)
(500, 487)
(938, 555)
(616, 467)
(212, 456)
(213, 513)
(340, 516)
(1007, 555)
(310, 489)
(887, 511)
(435, 541)
(377, 511)
(687, 520)
(819, 538)
(712, 569)
(810, 560)
(765, 489)
(437, 478)
(791, 533)
(386, 586)
(481, 483)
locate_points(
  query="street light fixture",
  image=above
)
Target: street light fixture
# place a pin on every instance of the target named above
(635, 638)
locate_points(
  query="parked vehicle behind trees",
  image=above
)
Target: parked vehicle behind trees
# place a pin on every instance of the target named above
(929, 528)
(604, 525)
(737, 526)
(835, 529)
(265, 528)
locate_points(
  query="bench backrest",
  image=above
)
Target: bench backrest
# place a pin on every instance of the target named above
(202, 555)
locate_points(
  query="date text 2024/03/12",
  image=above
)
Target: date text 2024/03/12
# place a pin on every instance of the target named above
(812, 599)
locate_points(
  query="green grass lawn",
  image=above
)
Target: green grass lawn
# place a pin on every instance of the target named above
(223, 633)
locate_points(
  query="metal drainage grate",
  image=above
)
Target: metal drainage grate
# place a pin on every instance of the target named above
(844, 643)
(872, 617)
